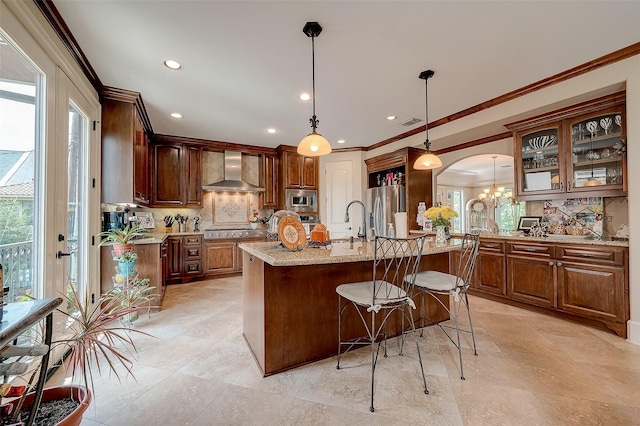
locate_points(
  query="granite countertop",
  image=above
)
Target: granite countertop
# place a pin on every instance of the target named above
(338, 252)
(558, 239)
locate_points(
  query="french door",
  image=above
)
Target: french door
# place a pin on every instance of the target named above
(75, 193)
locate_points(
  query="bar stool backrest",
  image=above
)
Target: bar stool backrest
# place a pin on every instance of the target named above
(395, 259)
(468, 255)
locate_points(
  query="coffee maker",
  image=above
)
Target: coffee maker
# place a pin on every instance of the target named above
(111, 220)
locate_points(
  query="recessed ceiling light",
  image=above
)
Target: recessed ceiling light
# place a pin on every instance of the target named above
(391, 117)
(341, 141)
(169, 63)
(176, 115)
(272, 130)
(305, 97)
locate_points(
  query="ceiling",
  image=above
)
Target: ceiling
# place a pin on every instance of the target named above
(478, 171)
(245, 63)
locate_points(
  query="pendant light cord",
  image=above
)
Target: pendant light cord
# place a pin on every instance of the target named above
(313, 120)
(426, 75)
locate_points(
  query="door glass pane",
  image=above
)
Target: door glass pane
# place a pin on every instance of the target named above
(20, 101)
(540, 161)
(596, 150)
(76, 196)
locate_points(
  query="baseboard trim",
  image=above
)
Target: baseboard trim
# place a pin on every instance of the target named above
(633, 332)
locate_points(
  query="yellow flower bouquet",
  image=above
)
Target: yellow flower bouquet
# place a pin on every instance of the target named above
(440, 216)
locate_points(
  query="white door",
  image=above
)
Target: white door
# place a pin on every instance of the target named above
(76, 191)
(339, 184)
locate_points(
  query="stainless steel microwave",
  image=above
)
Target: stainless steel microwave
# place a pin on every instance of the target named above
(302, 200)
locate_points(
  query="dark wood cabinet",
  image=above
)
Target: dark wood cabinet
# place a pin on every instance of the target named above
(192, 255)
(531, 280)
(558, 153)
(586, 283)
(296, 171)
(168, 183)
(591, 282)
(269, 181)
(220, 257)
(176, 175)
(125, 148)
(174, 259)
(491, 265)
(193, 176)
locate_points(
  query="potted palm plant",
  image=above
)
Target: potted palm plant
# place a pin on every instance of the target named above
(95, 340)
(121, 237)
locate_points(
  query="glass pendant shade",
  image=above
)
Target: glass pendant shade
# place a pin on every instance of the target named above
(427, 161)
(313, 145)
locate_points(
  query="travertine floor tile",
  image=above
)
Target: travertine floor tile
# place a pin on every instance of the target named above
(531, 369)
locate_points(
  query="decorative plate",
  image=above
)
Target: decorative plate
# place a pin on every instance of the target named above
(292, 234)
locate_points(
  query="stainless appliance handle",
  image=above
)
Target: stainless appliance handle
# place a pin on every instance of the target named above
(377, 216)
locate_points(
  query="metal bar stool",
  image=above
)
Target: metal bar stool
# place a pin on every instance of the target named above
(396, 261)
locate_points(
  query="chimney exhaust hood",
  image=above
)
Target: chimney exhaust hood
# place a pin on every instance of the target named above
(232, 176)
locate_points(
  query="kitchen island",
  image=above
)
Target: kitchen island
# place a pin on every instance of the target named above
(290, 306)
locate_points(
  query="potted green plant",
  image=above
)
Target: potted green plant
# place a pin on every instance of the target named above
(126, 262)
(121, 237)
(95, 338)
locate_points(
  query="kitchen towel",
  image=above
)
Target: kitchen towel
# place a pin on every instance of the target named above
(401, 224)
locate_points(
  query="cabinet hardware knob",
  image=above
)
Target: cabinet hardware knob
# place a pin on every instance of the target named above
(561, 186)
(530, 249)
(550, 263)
(559, 263)
(490, 245)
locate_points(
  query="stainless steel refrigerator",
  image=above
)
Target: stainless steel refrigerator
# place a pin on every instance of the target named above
(383, 202)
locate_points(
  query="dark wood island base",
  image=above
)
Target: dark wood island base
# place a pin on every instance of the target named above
(290, 313)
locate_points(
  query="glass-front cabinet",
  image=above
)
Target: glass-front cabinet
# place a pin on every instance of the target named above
(597, 151)
(578, 151)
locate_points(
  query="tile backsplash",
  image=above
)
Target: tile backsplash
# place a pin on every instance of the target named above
(611, 212)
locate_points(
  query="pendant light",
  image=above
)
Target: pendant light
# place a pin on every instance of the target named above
(314, 144)
(428, 160)
(592, 181)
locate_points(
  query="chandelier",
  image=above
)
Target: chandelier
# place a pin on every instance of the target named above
(494, 195)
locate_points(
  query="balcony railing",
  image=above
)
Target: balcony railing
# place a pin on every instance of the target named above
(17, 269)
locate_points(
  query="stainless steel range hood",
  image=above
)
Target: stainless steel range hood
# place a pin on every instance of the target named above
(232, 176)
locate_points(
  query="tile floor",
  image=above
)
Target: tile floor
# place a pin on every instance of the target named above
(531, 369)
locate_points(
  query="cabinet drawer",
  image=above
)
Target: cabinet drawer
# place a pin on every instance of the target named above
(542, 250)
(492, 246)
(192, 240)
(587, 254)
(193, 267)
(193, 253)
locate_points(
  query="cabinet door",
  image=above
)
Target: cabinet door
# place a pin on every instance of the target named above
(293, 173)
(220, 258)
(174, 259)
(141, 186)
(309, 172)
(591, 290)
(491, 273)
(168, 189)
(531, 280)
(164, 253)
(596, 161)
(540, 161)
(269, 198)
(193, 176)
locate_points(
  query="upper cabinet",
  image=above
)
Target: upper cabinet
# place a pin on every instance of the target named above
(297, 171)
(577, 151)
(125, 148)
(269, 181)
(176, 174)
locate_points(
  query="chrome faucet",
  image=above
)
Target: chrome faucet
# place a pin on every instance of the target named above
(362, 235)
